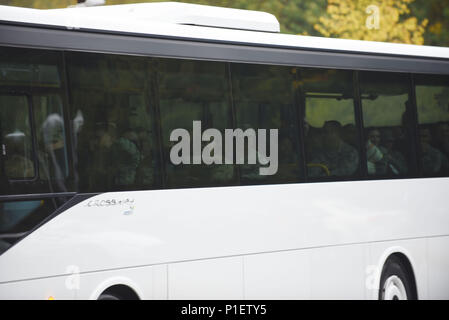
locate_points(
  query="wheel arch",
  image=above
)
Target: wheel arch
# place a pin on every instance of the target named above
(406, 259)
(118, 285)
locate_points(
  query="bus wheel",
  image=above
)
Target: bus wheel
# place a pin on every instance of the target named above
(108, 297)
(395, 282)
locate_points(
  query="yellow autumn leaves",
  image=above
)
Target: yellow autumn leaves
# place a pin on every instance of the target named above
(350, 19)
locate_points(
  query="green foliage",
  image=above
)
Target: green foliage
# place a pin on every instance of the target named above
(437, 12)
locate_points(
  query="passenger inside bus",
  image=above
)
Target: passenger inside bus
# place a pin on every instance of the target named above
(442, 138)
(17, 164)
(394, 158)
(349, 134)
(340, 158)
(53, 155)
(382, 156)
(126, 158)
(375, 159)
(434, 162)
(96, 161)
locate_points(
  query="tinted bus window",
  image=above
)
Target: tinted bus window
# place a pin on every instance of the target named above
(195, 91)
(29, 68)
(113, 121)
(386, 108)
(16, 134)
(329, 124)
(17, 218)
(264, 98)
(42, 134)
(432, 99)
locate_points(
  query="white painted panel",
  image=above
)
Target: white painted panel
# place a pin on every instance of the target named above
(207, 279)
(338, 272)
(40, 289)
(438, 268)
(282, 275)
(171, 226)
(160, 285)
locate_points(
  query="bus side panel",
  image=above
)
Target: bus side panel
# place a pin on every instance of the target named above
(192, 228)
(60, 288)
(338, 272)
(438, 258)
(278, 275)
(206, 279)
(318, 273)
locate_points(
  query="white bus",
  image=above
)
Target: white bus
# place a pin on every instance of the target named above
(92, 207)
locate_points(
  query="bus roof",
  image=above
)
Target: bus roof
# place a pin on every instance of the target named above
(199, 22)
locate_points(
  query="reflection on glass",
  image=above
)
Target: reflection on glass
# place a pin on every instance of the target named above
(329, 124)
(385, 99)
(16, 137)
(432, 98)
(113, 106)
(264, 98)
(51, 138)
(194, 91)
(19, 217)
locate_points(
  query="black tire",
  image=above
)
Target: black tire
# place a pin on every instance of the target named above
(396, 267)
(107, 296)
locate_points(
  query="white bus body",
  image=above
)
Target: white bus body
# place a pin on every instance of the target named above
(327, 240)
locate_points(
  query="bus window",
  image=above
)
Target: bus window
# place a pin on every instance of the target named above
(264, 98)
(387, 131)
(432, 99)
(39, 110)
(113, 121)
(29, 68)
(16, 137)
(329, 124)
(17, 218)
(194, 91)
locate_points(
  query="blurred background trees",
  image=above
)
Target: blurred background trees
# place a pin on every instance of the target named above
(404, 21)
(385, 20)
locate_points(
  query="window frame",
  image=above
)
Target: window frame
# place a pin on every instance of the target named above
(32, 186)
(418, 148)
(53, 38)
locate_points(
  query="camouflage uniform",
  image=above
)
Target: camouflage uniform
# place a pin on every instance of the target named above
(126, 158)
(434, 161)
(396, 160)
(343, 162)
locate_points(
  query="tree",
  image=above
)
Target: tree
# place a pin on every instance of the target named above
(39, 4)
(386, 20)
(437, 11)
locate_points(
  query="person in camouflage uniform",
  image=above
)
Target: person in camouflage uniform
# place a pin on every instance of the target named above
(339, 157)
(433, 160)
(383, 159)
(127, 158)
(442, 138)
(394, 159)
